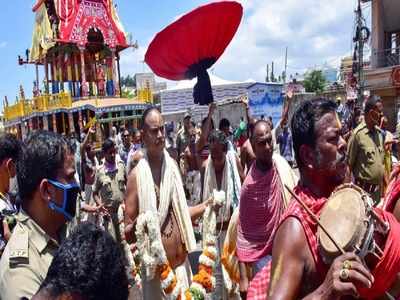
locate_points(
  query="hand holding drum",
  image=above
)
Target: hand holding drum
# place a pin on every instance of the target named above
(344, 276)
(343, 231)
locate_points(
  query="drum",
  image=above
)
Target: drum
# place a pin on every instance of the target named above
(349, 218)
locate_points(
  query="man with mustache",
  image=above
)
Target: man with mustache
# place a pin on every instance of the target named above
(155, 184)
(297, 269)
(366, 150)
(48, 193)
(263, 200)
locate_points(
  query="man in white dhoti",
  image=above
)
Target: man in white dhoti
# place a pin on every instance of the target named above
(155, 184)
(222, 172)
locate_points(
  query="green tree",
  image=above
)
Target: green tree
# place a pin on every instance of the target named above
(314, 81)
(128, 81)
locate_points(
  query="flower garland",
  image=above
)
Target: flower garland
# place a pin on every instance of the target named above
(132, 270)
(155, 260)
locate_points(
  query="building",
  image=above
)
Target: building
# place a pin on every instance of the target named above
(330, 73)
(148, 80)
(265, 100)
(77, 43)
(176, 100)
(346, 68)
(383, 76)
(147, 88)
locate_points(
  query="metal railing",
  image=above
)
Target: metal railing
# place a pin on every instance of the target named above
(387, 57)
(38, 104)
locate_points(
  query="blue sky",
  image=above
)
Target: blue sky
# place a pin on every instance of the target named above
(315, 31)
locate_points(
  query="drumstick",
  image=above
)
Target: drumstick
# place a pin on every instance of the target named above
(315, 218)
(323, 228)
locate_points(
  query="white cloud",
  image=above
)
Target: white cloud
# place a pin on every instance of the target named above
(316, 32)
(132, 60)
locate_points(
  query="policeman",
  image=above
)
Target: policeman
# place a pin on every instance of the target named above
(366, 150)
(48, 193)
(109, 187)
(10, 152)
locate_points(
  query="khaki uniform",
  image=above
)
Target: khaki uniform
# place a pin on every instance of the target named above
(26, 259)
(366, 155)
(111, 188)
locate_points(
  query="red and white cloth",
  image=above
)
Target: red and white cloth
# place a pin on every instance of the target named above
(261, 207)
(384, 272)
(258, 288)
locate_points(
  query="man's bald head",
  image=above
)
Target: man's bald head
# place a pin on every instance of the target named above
(153, 130)
(150, 112)
(261, 141)
(261, 126)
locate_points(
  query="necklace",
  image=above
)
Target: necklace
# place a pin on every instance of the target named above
(170, 227)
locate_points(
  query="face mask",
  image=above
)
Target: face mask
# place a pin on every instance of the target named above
(70, 194)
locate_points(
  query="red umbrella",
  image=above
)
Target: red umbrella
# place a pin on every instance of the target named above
(188, 47)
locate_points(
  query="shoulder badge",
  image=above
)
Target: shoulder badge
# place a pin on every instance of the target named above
(19, 247)
(359, 128)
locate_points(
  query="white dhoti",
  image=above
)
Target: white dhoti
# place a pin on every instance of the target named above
(172, 195)
(230, 184)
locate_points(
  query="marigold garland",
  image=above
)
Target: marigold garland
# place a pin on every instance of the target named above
(132, 269)
(154, 257)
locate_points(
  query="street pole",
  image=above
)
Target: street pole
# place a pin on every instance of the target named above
(284, 78)
(360, 55)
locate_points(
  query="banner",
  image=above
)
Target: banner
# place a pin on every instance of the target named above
(266, 100)
(42, 39)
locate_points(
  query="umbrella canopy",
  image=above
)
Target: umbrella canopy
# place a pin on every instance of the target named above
(192, 44)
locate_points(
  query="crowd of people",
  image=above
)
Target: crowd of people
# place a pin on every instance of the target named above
(72, 216)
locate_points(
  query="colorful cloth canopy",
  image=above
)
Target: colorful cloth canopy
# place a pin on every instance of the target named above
(78, 17)
(188, 47)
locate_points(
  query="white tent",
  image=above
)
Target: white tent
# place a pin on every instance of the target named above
(189, 84)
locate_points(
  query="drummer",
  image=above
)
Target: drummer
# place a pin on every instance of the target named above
(297, 269)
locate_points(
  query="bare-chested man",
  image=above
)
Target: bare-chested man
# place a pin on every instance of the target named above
(222, 171)
(298, 269)
(191, 171)
(156, 184)
(247, 156)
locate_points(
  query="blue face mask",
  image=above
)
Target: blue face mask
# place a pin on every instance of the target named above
(70, 194)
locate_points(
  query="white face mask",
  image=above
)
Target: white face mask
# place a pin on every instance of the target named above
(13, 186)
